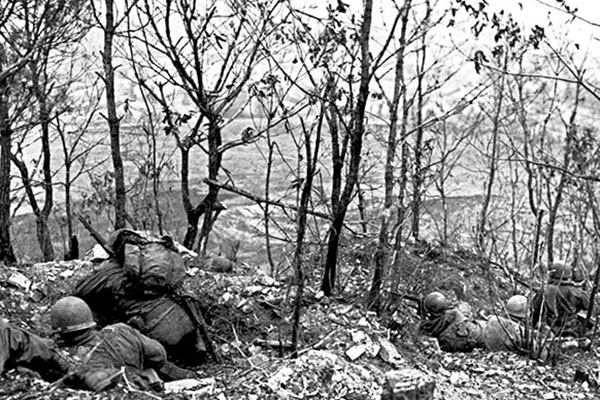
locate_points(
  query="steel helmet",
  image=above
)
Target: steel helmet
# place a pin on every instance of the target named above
(560, 271)
(579, 275)
(435, 303)
(516, 306)
(71, 314)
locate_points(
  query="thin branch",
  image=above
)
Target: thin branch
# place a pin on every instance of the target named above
(261, 200)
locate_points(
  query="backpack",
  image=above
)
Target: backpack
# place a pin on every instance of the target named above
(462, 336)
(153, 266)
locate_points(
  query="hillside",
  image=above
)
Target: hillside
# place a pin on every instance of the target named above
(345, 351)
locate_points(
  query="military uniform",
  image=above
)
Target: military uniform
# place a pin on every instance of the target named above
(100, 356)
(455, 328)
(503, 334)
(558, 305)
(21, 348)
(164, 316)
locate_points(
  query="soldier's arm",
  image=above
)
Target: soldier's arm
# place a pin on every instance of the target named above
(19, 347)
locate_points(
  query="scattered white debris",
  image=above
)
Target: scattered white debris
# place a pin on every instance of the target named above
(21, 281)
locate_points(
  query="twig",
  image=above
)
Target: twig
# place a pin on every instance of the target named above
(261, 200)
(320, 342)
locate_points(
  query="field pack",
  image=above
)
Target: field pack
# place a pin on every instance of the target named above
(151, 264)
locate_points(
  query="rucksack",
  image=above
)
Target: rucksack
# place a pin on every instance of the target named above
(153, 266)
(150, 264)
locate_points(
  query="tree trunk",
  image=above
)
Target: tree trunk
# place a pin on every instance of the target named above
(553, 210)
(113, 119)
(6, 251)
(41, 222)
(192, 213)
(483, 216)
(42, 215)
(214, 165)
(401, 209)
(311, 160)
(267, 209)
(356, 141)
(362, 208)
(73, 250)
(418, 177)
(380, 258)
(44, 238)
(338, 150)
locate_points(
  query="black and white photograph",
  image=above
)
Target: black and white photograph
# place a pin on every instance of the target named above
(299, 199)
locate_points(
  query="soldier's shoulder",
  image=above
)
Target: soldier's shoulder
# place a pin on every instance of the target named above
(117, 327)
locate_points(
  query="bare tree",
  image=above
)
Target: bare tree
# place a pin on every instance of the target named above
(34, 34)
(419, 170)
(496, 117)
(210, 51)
(110, 26)
(73, 131)
(356, 130)
(65, 25)
(398, 99)
(312, 157)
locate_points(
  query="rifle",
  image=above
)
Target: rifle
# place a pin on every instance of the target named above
(415, 301)
(79, 366)
(98, 237)
(191, 306)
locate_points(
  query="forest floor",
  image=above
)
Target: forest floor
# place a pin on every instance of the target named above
(345, 350)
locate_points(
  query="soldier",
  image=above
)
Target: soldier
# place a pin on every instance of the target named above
(510, 334)
(100, 358)
(19, 348)
(141, 286)
(559, 303)
(452, 324)
(507, 334)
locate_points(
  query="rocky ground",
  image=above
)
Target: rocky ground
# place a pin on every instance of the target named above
(345, 350)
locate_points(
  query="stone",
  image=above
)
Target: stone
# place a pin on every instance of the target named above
(355, 352)
(389, 353)
(19, 280)
(98, 254)
(183, 385)
(408, 384)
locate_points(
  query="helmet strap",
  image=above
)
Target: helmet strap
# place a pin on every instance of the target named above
(78, 337)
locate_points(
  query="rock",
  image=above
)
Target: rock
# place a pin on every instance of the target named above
(256, 360)
(97, 254)
(389, 353)
(358, 336)
(458, 378)
(266, 280)
(37, 293)
(373, 349)
(280, 379)
(324, 375)
(408, 384)
(19, 280)
(199, 387)
(355, 352)
(66, 273)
